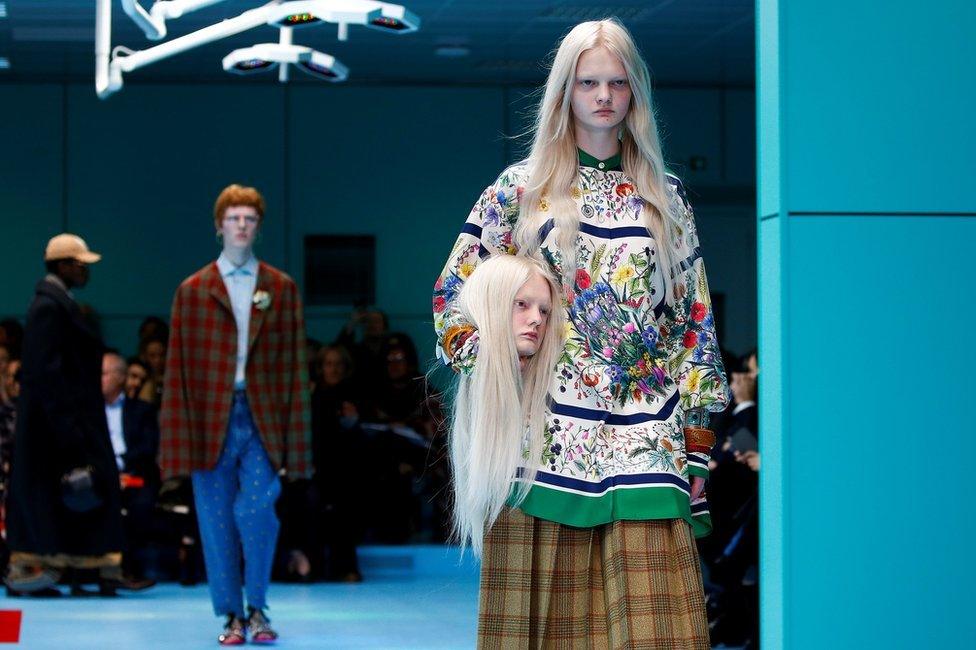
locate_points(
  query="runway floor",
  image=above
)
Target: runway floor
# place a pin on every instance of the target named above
(412, 598)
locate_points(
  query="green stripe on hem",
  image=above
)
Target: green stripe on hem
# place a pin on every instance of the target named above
(698, 471)
(623, 503)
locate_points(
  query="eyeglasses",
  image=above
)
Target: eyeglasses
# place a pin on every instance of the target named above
(249, 219)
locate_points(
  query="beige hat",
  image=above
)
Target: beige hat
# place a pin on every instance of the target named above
(65, 246)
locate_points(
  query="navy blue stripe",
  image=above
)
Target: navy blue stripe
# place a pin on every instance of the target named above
(483, 252)
(698, 508)
(471, 229)
(687, 263)
(612, 418)
(546, 478)
(546, 229)
(614, 233)
(659, 309)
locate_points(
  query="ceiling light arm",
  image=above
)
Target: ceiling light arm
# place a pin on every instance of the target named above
(223, 29)
(153, 26)
(284, 38)
(153, 22)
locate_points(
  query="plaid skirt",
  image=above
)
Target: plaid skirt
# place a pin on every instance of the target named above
(626, 584)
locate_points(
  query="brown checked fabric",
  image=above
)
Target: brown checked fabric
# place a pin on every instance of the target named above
(199, 383)
(626, 584)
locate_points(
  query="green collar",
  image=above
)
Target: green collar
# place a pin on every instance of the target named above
(610, 164)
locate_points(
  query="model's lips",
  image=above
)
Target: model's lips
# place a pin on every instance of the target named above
(605, 111)
(531, 335)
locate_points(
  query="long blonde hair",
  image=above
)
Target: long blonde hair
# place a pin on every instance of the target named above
(553, 161)
(499, 409)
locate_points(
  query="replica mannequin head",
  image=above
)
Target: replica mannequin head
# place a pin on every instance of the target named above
(238, 213)
(598, 89)
(514, 302)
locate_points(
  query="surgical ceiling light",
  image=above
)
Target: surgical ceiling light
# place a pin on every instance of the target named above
(266, 56)
(110, 66)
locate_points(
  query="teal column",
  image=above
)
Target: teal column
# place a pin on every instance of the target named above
(867, 241)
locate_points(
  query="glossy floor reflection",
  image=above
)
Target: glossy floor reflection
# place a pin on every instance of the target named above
(412, 598)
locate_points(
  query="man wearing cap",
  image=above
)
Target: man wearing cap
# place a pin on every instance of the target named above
(64, 505)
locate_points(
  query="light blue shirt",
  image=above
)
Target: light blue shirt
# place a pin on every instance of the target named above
(240, 282)
(113, 414)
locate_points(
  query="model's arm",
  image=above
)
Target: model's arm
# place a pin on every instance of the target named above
(487, 231)
(174, 417)
(695, 361)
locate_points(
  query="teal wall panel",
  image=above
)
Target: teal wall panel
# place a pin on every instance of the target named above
(137, 177)
(880, 98)
(30, 186)
(404, 164)
(864, 112)
(774, 513)
(880, 380)
(143, 174)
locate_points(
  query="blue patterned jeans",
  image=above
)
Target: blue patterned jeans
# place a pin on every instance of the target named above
(235, 504)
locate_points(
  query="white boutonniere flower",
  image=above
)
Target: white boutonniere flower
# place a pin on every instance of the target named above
(262, 300)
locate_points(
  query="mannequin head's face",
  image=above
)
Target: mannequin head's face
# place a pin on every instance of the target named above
(530, 314)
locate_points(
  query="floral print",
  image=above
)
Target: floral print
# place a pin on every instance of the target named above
(631, 363)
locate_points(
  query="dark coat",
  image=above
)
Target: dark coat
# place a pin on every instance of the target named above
(140, 428)
(60, 426)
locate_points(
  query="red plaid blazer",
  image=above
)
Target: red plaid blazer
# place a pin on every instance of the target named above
(200, 365)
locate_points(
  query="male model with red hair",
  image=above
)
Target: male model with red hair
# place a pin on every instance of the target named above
(235, 409)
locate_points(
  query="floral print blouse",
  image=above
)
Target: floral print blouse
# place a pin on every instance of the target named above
(631, 366)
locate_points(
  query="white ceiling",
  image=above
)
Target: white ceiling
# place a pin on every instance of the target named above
(686, 42)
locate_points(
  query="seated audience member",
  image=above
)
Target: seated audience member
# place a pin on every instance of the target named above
(312, 348)
(372, 327)
(404, 415)
(733, 553)
(152, 351)
(12, 336)
(4, 360)
(336, 434)
(136, 377)
(153, 327)
(134, 432)
(10, 389)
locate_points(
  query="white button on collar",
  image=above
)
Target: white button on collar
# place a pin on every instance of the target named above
(600, 165)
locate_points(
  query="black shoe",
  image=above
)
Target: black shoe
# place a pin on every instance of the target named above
(130, 583)
(47, 592)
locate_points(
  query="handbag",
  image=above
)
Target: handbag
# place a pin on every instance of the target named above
(78, 490)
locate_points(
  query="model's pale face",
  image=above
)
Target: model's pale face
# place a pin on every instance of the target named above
(601, 92)
(239, 227)
(530, 315)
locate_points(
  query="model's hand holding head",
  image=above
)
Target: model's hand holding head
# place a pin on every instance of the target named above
(514, 302)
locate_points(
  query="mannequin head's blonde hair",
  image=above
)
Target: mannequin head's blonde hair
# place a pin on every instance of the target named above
(499, 408)
(553, 160)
